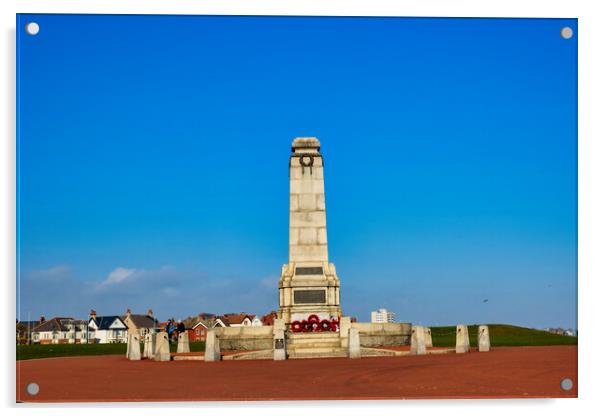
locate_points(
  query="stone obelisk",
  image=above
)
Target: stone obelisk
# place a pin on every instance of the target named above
(309, 284)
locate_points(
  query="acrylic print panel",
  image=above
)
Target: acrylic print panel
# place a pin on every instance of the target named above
(175, 174)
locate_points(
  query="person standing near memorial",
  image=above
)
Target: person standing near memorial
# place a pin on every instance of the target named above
(170, 328)
(181, 327)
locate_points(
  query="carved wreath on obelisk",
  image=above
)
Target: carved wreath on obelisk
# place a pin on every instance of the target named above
(306, 161)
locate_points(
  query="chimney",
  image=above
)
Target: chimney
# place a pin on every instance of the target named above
(42, 319)
(150, 313)
(128, 312)
(93, 314)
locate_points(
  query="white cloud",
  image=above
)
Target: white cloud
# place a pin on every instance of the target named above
(168, 290)
(118, 275)
(56, 272)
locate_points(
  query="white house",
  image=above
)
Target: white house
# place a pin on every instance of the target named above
(143, 324)
(107, 329)
(218, 323)
(60, 331)
(233, 320)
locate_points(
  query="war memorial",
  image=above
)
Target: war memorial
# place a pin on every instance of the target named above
(310, 321)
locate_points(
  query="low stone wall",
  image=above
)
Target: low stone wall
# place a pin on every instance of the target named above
(245, 338)
(375, 335)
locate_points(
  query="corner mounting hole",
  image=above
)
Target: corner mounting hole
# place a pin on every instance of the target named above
(566, 384)
(566, 32)
(33, 389)
(32, 28)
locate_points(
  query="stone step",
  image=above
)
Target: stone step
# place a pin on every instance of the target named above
(188, 356)
(252, 355)
(376, 352)
(327, 334)
(319, 349)
(309, 340)
(324, 344)
(334, 353)
(297, 340)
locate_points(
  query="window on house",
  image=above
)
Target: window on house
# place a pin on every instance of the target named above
(198, 332)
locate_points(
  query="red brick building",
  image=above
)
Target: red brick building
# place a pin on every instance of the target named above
(198, 332)
(268, 319)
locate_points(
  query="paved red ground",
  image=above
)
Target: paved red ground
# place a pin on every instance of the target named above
(503, 372)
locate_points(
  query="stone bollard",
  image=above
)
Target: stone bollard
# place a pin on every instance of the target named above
(183, 344)
(354, 343)
(133, 347)
(428, 338)
(484, 343)
(149, 345)
(418, 345)
(462, 340)
(212, 351)
(161, 352)
(279, 345)
(344, 326)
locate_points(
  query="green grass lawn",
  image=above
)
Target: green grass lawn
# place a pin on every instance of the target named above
(501, 336)
(27, 352)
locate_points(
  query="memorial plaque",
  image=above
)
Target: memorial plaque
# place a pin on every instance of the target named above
(309, 270)
(279, 344)
(310, 296)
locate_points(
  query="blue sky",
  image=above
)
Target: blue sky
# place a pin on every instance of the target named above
(153, 156)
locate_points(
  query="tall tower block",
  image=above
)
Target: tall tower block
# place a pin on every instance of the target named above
(308, 284)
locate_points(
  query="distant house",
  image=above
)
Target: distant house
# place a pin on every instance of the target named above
(206, 316)
(60, 330)
(268, 319)
(143, 324)
(219, 323)
(107, 329)
(255, 320)
(233, 320)
(198, 332)
(557, 331)
(25, 329)
(561, 331)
